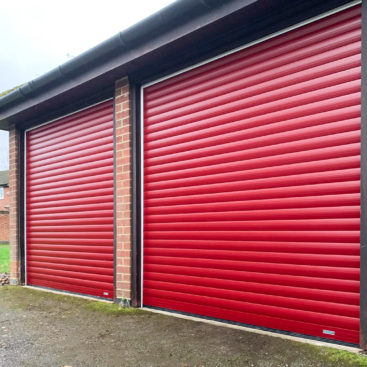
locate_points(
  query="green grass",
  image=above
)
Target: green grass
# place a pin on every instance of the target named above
(4, 258)
(343, 358)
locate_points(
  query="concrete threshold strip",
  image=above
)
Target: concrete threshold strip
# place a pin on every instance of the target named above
(215, 323)
(64, 293)
(258, 331)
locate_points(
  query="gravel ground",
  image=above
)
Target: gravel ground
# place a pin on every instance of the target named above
(43, 329)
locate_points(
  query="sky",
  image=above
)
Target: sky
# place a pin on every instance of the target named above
(38, 35)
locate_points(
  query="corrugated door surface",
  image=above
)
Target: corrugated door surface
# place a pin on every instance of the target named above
(251, 184)
(69, 218)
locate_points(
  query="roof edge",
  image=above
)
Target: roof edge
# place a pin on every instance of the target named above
(121, 41)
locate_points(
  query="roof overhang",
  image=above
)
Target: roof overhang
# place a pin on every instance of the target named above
(185, 32)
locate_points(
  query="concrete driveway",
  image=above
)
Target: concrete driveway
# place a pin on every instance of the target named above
(44, 329)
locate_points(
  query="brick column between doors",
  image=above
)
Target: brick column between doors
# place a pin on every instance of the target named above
(123, 189)
(14, 172)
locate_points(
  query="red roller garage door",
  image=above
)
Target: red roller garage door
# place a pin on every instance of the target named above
(252, 183)
(69, 205)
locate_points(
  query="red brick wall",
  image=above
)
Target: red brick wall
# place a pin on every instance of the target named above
(4, 227)
(13, 198)
(4, 203)
(123, 189)
(4, 216)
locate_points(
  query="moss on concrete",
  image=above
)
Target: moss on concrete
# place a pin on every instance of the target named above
(344, 358)
(28, 298)
(112, 308)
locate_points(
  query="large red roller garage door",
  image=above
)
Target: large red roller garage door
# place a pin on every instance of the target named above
(69, 203)
(252, 183)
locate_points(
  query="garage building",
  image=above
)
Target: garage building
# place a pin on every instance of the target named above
(206, 161)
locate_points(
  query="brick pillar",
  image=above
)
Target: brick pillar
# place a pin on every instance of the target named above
(13, 205)
(123, 189)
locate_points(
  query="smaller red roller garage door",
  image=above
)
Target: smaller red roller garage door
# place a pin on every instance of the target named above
(252, 184)
(69, 203)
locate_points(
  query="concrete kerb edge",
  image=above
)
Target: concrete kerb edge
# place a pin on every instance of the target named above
(89, 298)
(257, 331)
